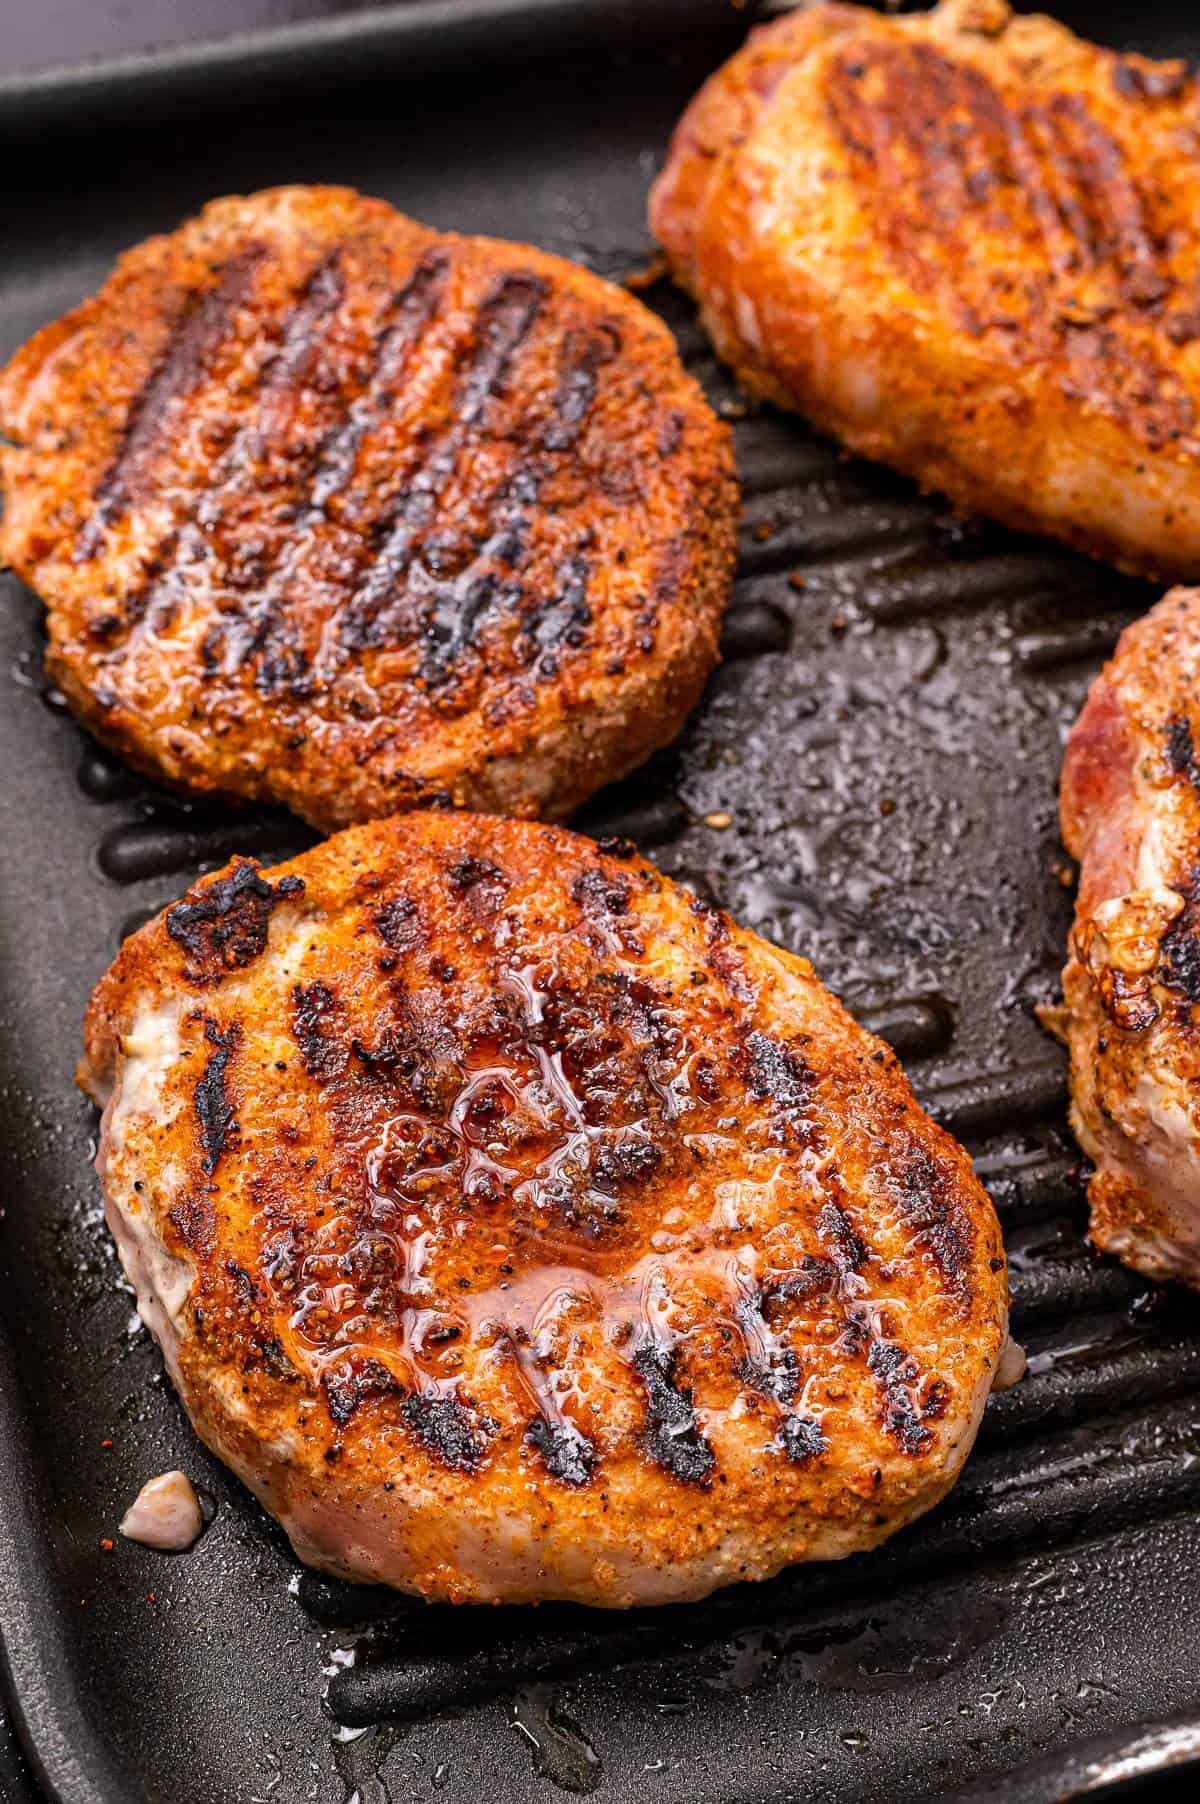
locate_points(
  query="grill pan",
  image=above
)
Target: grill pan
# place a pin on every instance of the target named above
(885, 735)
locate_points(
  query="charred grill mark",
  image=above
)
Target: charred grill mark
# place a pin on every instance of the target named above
(223, 927)
(602, 894)
(210, 1100)
(583, 355)
(926, 1198)
(562, 622)
(1108, 193)
(835, 1226)
(353, 1382)
(258, 432)
(447, 1428)
(770, 1366)
(939, 149)
(777, 1072)
(406, 322)
(568, 1453)
(315, 1010)
(813, 1277)
(1179, 948)
(896, 1373)
(1181, 750)
(673, 1438)
(199, 329)
(399, 924)
(800, 1438)
(479, 883)
(375, 612)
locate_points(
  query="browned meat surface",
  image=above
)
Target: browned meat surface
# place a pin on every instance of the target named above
(1131, 815)
(518, 1227)
(333, 510)
(966, 243)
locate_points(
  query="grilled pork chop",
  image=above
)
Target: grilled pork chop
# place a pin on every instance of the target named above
(1131, 815)
(966, 244)
(333, 510)
(517, 1227)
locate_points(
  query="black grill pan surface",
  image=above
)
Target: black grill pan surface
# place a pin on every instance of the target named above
(884, 737)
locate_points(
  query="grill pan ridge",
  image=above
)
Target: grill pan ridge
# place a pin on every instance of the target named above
(884, 735)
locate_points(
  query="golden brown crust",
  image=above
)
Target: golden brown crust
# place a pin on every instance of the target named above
(520, 1227)
(1131, 815)
(335, 510)
(964, 242)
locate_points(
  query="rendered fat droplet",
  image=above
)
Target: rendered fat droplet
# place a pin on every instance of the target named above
(1011, 1367)
(165, 1514)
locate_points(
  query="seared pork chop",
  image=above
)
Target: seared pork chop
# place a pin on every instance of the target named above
(1131, 815)
(967, 244)
(517, 1227)
(333, 510)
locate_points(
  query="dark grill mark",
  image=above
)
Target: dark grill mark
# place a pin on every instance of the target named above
(214, 1111)
(925, 1196)
(770, 1366)
(813, 1277)
(407, 320)
(800, 1438)
(673, 1437)
(315, 1009)
(835, 1226)
(223, 927)
(564, 620)
(352, 1383)
(779, 1072)
(199, 329)
(626, 1160)
(583, 356)
(448, 1429)
(469, 874)
(601, 893)
(399, 925)
(1181, 750)
(569, 1455)
(374, 613)
(896, 1372)
(1179, 949)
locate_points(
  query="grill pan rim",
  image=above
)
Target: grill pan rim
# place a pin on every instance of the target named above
(69, 1758)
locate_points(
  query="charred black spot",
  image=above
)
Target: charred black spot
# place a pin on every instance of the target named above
(835, 1226)
(315, 1010)
(223, 926)
(352, 1383)
(214, 1112)
(398, 924)
(568, 1453)
(800, 1438)
(673, 1437)
(447, 1428)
